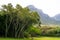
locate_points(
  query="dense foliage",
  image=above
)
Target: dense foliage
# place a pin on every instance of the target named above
(14, 21)
(50, 31)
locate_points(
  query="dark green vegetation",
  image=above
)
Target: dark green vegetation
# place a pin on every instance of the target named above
(16, 21)
(49, 31)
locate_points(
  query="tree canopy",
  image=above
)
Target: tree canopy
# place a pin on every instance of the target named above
(15, 20)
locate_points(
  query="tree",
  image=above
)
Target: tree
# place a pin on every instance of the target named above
(17, 20)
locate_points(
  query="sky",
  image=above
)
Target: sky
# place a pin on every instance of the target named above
(50, 7)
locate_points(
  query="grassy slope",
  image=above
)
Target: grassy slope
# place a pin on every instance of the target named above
(35, 38)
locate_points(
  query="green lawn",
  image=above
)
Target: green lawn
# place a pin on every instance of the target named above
(35, 38)
(47, 38)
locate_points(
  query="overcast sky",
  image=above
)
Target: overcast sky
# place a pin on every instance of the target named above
(50, 7)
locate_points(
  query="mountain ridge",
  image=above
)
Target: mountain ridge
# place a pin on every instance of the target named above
(45, 19)
(57, 17)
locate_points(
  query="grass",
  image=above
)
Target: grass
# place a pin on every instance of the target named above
(35, 38)
(47, 38)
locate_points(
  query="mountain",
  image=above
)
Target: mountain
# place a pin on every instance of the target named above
(45, 19)
(57, 17)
